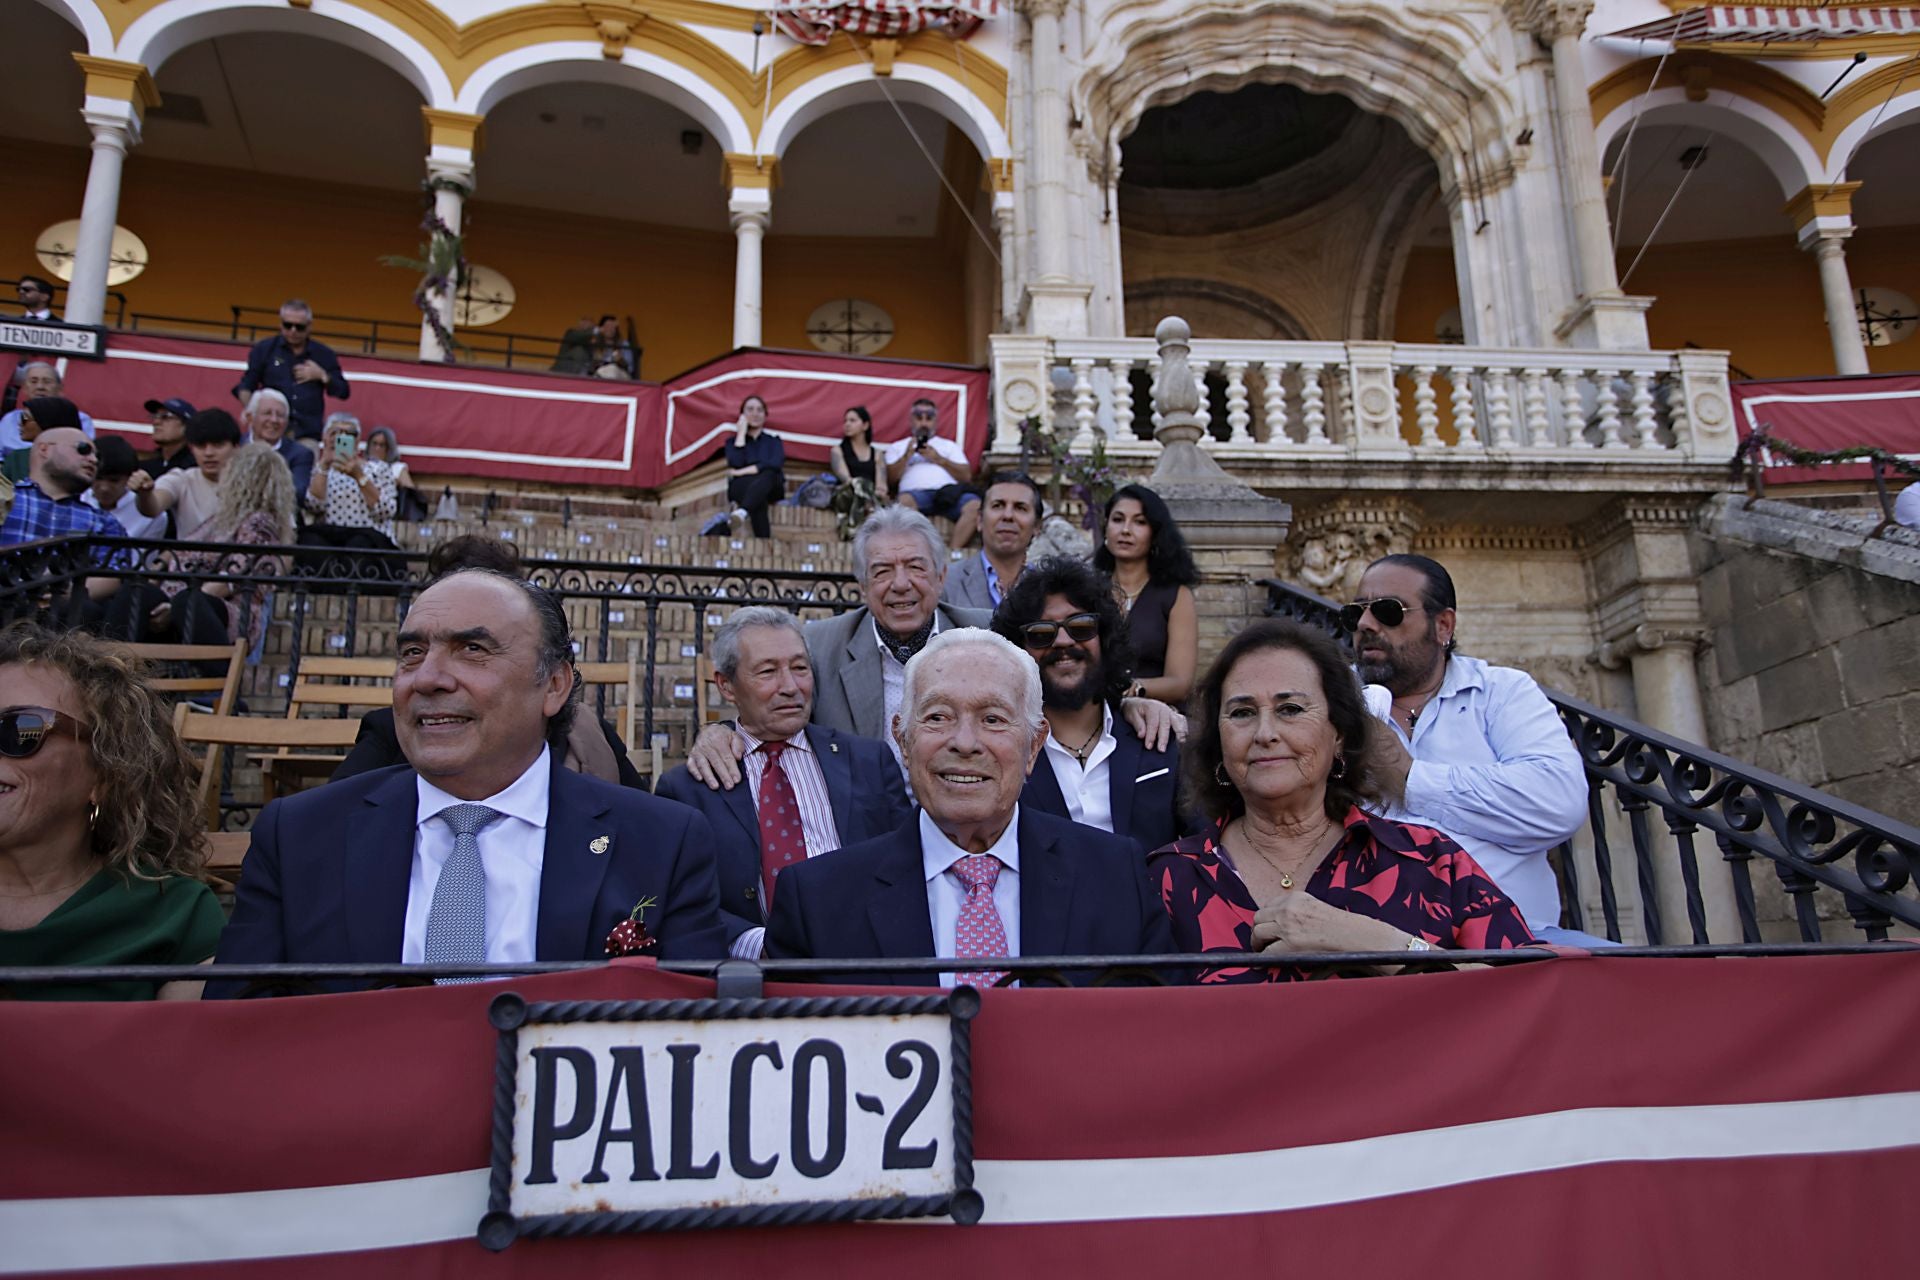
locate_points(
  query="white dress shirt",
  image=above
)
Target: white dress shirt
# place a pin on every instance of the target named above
(1084, 787)
(127, 512)
(946, 894)
(893, 684)
(1494, 769)
(817, 826)
(513, 849)
(1906, 507)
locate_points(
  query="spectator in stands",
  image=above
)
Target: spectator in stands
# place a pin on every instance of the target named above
(755, 461)
(101, 843)
(1013, 507)
(978, 875)
(47, 503)
(597, 349)
(267, 421)
(116, 463)
(39, 414)
(255, 509)
(192, 495)
(1477, 750)
(593, 746)
(856, 465)
(1282, 757)
(1095, 769)
(302, 370)
(930, 475)
(37, 379)
(36, 298)
(170, 418)
(809, 789)
(1144, 553)
(1906, 507)
(384, 446)
(859, 658)
(353, 496)
(483, 849)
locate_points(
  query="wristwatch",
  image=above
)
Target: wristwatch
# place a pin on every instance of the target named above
(1419, 944)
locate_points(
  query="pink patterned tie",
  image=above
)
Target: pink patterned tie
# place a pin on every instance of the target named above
(978, 931)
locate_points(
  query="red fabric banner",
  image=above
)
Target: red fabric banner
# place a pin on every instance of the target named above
(1579, 1117)
(1825, 414)
(495, 424)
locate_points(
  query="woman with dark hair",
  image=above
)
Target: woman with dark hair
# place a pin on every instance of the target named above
(1142, 551)
(101, 841)
(755, 458)
(856, 464)
(1282, 753)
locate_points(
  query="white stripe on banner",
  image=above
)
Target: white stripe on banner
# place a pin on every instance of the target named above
(1749, 403)
(119, 1231)
(829, 437)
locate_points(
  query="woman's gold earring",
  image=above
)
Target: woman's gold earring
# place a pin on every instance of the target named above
(93, 815)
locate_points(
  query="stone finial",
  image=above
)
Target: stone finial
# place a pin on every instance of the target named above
(1175, 395)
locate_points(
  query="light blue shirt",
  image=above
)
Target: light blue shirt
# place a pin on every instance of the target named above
(946, 894)
(513, 852)
(1493, 768)
(10, 437)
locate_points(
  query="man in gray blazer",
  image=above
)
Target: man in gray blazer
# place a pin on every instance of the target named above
(1010, 517)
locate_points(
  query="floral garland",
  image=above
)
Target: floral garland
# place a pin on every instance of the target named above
(442, 263)
(1764, 439)
(1091, 480)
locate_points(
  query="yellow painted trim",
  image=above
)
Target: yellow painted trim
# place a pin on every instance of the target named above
(1858, 97)
(997, 176)
(745, 172)
(1824, 200)
(1830, 50)
(982, 76)
(451, 128)
(1691, 68)
(121, 81)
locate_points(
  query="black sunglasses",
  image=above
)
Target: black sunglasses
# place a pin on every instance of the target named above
(23, 729)
(84, 449)
(1387, 611)
(1080, 628)
(296, 324)
(925, 413)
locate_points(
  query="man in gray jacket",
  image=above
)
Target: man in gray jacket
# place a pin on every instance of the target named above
(1010, 517)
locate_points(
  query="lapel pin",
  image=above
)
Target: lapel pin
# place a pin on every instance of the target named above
(834, 747)
(600, 844)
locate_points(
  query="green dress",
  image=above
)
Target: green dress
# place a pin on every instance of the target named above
(113, 920)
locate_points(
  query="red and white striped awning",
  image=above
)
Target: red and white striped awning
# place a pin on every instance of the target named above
(816, 23)
(1717, 24)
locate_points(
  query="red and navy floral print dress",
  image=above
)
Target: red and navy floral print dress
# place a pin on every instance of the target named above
(1413, 878)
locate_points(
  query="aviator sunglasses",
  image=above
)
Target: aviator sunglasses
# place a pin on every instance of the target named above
(1387, 611)
(23, 729)
(1080, 628)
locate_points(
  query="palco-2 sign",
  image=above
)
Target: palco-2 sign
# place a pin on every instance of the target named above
(663, 1114)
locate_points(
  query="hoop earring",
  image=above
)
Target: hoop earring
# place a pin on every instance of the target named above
(1339, 769)
(93, 815)
(1220, 778)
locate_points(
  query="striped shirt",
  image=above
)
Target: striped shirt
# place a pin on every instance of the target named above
(802, 768)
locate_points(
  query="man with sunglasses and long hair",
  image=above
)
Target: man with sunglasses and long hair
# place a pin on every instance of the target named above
(1094, 769)
(304, 371)
(47, 503)
(1477, 750)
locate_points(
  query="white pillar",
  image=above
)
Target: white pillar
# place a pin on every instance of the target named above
(115, 126)
(1059, 302)
(1004, 227)
(1836, 290)
(449, 205)
(751, 211)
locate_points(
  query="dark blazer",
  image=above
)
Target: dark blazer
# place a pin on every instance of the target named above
(1143, 788)
(1082, 892)
(326, 878)
(849, 693)
(863, 784)
(378, 746)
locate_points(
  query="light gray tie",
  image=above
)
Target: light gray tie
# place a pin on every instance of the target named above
(457, 917)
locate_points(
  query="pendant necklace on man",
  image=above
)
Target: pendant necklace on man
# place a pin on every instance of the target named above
(1085, 749)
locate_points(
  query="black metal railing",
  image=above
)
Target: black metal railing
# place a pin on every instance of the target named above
(1637, 775)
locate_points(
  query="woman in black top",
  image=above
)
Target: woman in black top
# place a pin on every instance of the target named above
(1142, 551)
(863, 480)
(755, 458)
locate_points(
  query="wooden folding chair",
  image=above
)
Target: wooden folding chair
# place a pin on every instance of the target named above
(226, 850)
(326, 684)
(217, 733)
(620, 675)
(227, 687)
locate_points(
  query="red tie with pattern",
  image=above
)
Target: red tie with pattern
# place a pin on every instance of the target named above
(782, 840)
(978, 932)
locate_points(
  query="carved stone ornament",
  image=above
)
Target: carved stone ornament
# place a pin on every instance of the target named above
(1332, 546)
(613, 38)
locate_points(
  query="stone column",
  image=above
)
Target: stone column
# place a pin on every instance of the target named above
(1059, 302)
(750, 182)
(118, 95)
(1822, 220)
(452, 139)
(999, 180)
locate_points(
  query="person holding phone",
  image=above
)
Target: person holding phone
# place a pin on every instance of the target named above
(350, 491)
(756, 459)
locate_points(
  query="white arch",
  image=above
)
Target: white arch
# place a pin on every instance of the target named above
(570, 62)
(1900, 111)
(162, 32)
(923, 86)
(85, 16)
(1786, 153)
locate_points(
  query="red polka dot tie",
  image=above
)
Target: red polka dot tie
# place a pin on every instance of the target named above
(979, 931)
(782, 839)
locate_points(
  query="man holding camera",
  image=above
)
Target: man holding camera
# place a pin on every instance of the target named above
(930, 475)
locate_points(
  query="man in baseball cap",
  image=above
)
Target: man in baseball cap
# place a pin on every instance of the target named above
(169, 436)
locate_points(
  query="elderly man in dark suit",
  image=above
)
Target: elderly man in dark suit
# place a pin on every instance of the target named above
(810, 788)
(483, 848)
(976, 875)
(1095, 768)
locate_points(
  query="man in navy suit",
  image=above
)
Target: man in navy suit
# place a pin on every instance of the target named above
(483, 848)
(810, 788)
(976, 874)
(1095, 769)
